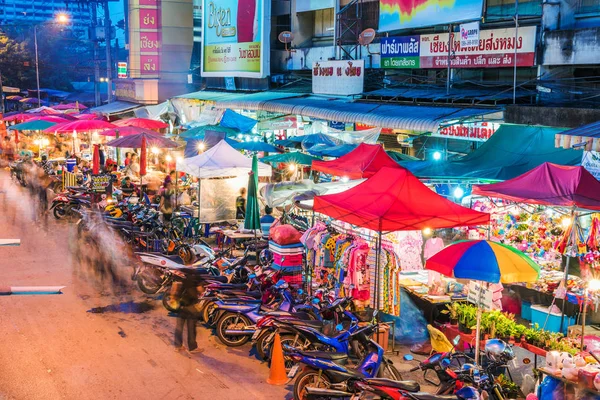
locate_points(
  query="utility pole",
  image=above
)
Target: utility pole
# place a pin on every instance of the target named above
(1, 95)
(37, 68)
(107, 37)
(94, 38)
(516, 50)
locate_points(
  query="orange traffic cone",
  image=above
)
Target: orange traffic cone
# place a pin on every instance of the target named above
(277, 375)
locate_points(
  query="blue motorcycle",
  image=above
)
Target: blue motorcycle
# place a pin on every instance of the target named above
(323, 369)
(237, 317)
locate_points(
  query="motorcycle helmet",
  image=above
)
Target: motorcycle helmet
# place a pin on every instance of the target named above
(203, 252)
(468, 393)
(265, 257)
(497, 350)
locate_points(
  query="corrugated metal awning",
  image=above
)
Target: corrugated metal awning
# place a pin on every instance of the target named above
(208, 95)
(437, 93)
(411, 118)
(589, 130)
(116, 107)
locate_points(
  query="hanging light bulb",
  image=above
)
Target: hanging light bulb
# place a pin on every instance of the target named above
(201, 146)
(292, 167)
(427, 231)
(155, 150)
(566, 222)
(169, 158)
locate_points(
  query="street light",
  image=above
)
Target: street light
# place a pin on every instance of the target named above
(61, 19)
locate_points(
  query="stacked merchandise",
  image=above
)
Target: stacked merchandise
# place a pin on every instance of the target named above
(288, 258)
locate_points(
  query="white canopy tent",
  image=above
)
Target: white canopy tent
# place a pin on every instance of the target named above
(221, 160)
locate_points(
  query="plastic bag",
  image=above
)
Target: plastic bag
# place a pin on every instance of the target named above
(551, 389)
(284, 234)
(411, 326)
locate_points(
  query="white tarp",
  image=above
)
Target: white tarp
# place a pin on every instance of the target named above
(220, 161)
(284, 193)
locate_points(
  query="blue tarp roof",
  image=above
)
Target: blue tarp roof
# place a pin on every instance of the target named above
(589, 130)
(511, 151)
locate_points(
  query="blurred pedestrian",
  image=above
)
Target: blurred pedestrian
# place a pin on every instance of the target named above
(240, 205)
(187, 316)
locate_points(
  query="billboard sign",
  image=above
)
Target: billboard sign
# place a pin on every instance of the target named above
(235, 38)
(469, 34)
(338, 77)
(312, 5)
(400, 52)
(406, 14)
(494, 49)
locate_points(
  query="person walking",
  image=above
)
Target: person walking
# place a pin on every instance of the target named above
(240, 205)
(187, 316)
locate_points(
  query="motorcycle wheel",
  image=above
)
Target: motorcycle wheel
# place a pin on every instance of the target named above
(207, 314)
(149, 281)
(389, 371)
(169, 301)
(309, 378)
(59, 211)
(229, 321)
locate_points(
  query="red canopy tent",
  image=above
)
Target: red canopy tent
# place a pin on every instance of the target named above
(393, 199)
(362, 162)
(549, 184)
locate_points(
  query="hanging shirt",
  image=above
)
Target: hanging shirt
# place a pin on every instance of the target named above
(432, 246)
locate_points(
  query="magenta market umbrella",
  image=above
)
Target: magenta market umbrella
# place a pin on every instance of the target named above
(122, 131)
(135, 141)
(81, 126)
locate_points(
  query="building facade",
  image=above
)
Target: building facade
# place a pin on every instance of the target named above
(18, 12)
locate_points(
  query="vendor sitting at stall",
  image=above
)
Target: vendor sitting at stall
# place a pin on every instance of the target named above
(133, 169)
(127, 186)
(266, 221)
(171, 178)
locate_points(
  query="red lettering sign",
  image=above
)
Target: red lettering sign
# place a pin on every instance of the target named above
(149, 64)
(148, 18)
(148, 2)
(149, 41)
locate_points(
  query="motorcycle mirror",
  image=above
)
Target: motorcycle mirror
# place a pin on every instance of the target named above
(408, 357)
(339, 327)
(300, 292)
(526, 361)
(456, 340)
(375, 313)
(315, 301)
(252, 276)
(446, 362)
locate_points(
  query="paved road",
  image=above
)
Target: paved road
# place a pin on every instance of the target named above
(89, 343)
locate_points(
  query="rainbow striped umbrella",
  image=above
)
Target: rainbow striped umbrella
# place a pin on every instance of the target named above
(485, 261)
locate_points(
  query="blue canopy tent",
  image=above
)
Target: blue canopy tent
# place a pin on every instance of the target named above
(233, 120)
(198, 132)
(336, 151)
(510, 152)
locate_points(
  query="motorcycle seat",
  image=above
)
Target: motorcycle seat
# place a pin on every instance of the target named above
(228, 286)
(241, 299)
(285, 314)
(409, 386)
(214, 279)
(310, 323)
(429, 396)
(327, 355)
(225, 294)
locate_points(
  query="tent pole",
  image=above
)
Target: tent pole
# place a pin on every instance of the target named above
(478, 327)
(570, 243)
(199, 201)
(377, 266)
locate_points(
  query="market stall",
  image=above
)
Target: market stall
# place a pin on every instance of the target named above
(553, 235)
(391, 200)
(222, 172)
(363, 162)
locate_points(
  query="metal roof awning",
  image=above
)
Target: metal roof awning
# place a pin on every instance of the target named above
(590, 130)
(254, 101)
(208, 95)
(404, 117)
(456, 94)
(586, 137)
(116, 107)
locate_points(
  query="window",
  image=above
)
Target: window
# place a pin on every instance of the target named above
(505, 9)
(589, 6)
(324, 22)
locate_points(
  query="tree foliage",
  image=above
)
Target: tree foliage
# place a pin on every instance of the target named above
(63, 58)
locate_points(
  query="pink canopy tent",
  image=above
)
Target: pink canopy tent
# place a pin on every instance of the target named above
(127, 131)
(549, 184)
(393, 200)
(362, 162)
(80, 126)
(142, 123)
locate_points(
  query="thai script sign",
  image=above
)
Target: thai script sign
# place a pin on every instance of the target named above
(476, 131)
(235, 38)
(338, 77)
(404, 14)
(495, 48)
